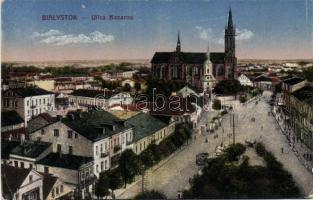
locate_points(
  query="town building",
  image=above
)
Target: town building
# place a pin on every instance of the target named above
(148, 130)
(12, 126)
(199, 70)
(245, 80)
(98, 98)
(28, 102)
(21, 183)
(96, 134)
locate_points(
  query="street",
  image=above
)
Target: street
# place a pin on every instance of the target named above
(173, 176)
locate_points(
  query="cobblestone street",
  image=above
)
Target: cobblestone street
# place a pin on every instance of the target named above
(173, 176)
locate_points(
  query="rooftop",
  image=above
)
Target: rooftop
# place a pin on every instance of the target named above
(305, 94)
(64, 161)
(145, 125)
(28, 91)
(30, 149)
(93, 93)
(293, 81)
(12, 178)
(9, 118)
(189, 57)
(95, 125)
(7, 147)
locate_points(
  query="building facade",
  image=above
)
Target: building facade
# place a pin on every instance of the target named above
(200, 70)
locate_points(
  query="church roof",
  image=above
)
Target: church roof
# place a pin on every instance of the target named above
(217, 57)
(188, 57)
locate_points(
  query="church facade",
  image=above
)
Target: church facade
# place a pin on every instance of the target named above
(200, 70)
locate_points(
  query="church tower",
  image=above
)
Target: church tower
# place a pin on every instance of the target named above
(208, 80)
(230, 57)
(178, 44)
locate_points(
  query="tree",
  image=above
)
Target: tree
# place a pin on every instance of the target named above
(228, 87)
(308, 73)
(126, 87)
(153, 194)
(130, 165)
(115, 180)
(137, 86)
(235, 150)
(217, 104)
(102, 185)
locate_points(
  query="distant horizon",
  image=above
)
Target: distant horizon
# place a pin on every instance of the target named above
(52, 30)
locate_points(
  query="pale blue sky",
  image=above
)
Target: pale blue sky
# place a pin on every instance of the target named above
(266, 28)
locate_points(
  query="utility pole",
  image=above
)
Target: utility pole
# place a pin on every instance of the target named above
(233, 127)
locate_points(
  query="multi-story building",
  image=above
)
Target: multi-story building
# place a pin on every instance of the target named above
(96, 134)
(28, 102)
(20, 183)
(147, 130)
(98, 98)
(12, 126)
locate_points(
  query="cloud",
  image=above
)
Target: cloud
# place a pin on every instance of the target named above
(58, 38)
(83, 6)
(204, 34)
(244, 34)
(208, 34)
(49, 33)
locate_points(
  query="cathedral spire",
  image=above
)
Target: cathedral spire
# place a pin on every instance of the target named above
(178, 43)
(230, 19)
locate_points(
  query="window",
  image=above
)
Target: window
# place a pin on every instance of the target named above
(56, 132)
(27, 103)
(44, 101)
(30, 178)
(52, 193)
(69, 133)
(42, 131)
(39, 101)
(101, 148)
(101, 166)
(61, 188)
(30, 166)
(22, 164)
(46, 169)
(105, 164)
(15, 163)
(76, 135)
(70, 150)
(59, 148)
(97, 168)
(96, 150)
(56, 190)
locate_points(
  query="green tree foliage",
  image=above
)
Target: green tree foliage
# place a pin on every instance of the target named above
(217, 104)
(227, 87)
(130, 165)
(153, 194)
(222, 178)
(308, 73)
(115, 180)
(126, 87)
(102, 186)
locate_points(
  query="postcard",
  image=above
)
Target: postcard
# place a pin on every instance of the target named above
(156, 99)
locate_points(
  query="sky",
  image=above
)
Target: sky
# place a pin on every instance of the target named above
(266, 29)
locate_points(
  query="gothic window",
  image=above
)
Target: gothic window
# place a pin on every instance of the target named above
(220, 70)
(175, 71)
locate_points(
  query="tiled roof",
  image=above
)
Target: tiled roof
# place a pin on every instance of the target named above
(293, 81)
(29, 91)
(217, 57)
(64, 161)
(144, 125)
(9, 118)
(48, 183)
(12, 178)
(31, 149)
(187, 57)
(6, 148)
(91, 124)
(92, 93)
(305, 94)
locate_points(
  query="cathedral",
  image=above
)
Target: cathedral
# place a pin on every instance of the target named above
(200, 70)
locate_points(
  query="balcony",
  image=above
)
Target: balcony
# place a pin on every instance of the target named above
(103, 155)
